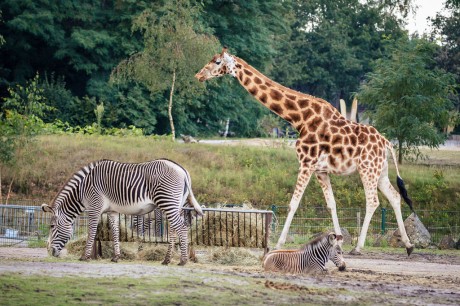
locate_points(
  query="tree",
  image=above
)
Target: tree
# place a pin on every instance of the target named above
(408, 96)
(175, 46)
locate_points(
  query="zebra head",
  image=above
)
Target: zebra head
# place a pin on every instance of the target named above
(60, 231)
(336, 252)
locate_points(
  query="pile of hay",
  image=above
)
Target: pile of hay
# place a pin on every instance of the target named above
(233, 257)
(229, 229)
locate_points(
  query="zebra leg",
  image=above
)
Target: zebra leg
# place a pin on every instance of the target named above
(93, 221)
(183, 241)
(172, 242)
(114, 219)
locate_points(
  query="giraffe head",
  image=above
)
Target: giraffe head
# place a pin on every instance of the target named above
(221, 64)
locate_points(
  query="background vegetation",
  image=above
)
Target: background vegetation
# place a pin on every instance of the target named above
(322, 47)
(261, 175)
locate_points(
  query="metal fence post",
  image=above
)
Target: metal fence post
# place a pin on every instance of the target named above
(384, 220)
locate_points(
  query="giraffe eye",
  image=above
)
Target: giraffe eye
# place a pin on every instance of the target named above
(218, 62)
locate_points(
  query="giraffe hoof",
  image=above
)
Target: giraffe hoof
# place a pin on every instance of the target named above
(355, 252)
(409, 250)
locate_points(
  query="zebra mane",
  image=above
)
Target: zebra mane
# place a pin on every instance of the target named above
(318, 240)
(76, 179)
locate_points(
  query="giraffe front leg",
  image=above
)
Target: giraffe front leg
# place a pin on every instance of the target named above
(114, 219)
(302, 182)
(93, 221)
(172, 242)
(325, 183)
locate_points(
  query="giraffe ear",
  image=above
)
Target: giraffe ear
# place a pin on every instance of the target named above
(224, 50)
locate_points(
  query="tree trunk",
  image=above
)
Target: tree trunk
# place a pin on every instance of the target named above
(171, 121)
(400, 152)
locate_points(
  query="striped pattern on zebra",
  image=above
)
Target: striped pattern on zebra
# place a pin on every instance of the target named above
(311, 258)
(144, 224)
(115, 188)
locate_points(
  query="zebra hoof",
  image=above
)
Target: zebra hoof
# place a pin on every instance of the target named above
(115, 259)
(165, 262)
(182, 263)
(409, 250)
(355, 252)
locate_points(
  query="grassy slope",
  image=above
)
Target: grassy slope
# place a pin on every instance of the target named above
(224, 174)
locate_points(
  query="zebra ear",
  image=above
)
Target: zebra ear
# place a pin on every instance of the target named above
(332, 238)
(47, 208)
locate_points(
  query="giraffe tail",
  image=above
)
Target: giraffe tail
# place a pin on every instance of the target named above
(399, 181)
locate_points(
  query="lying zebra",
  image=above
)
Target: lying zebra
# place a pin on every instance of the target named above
(311, 258)
(120, 188)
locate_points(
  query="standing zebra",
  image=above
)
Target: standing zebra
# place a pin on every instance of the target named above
(311, 258)
(115, 188)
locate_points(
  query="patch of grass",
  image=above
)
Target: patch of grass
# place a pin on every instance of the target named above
(224, 174)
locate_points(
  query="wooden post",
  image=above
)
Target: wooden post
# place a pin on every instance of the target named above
(268, 222)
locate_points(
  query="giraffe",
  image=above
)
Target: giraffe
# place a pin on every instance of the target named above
(327, 143)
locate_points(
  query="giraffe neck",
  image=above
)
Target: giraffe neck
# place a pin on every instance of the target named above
(295, 107)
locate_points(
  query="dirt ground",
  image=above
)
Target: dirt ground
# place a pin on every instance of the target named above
(422, 279)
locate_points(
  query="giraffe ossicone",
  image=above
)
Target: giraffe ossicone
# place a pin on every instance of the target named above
(327, 143)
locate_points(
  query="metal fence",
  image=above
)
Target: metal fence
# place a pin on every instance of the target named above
(22, 225)
(312, 220)
(26, 225)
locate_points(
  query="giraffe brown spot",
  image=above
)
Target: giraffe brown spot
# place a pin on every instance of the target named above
(268, 83)
(307, 114)
(332, 161)
(350, 151)
(314, 151)
(324, 135)
(316, 108)
(372, 138)
(325, 148)
(295, 117)
(327, 112)
(263, 98)
(334, 129)
(303, 103)
(347, 129)
(346, 141)
(290, 105)
(349, 163)
(353, 140)
(276, 95)
(263, 87)
(257, 80)
(248, 72)
(223, 70)
(336, 139)
(338, 151)
(276, 108)
(292, 97)
(240, 76)
(247, 81)
(372, 130)
(314, 124)
(362, 139)
(310, 139)
(340, 123)
(305, 149)
(253, 91)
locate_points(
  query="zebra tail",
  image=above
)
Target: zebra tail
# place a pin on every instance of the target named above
(403, 192)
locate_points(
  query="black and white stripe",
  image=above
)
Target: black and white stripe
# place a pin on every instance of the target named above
(311, 258)
(134, 189)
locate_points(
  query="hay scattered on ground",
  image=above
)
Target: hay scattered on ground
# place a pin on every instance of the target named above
(232, 256)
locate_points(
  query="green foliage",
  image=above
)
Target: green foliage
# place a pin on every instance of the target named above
(407, 96)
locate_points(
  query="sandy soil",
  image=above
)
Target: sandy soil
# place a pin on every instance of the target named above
(420, 279)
